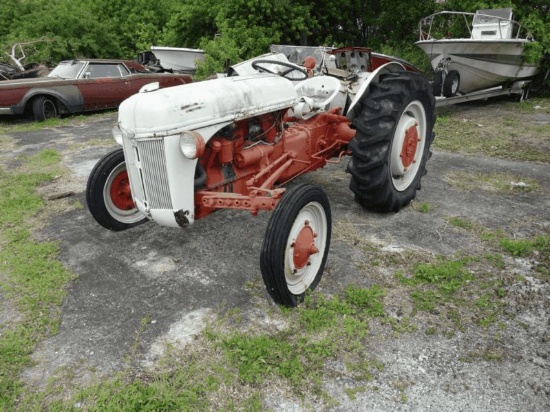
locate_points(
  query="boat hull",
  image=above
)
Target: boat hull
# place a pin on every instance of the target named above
(178, 58)
(481, 63)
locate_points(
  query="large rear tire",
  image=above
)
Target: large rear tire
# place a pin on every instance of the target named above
(392, 143)
(296, 244)
(108, 194)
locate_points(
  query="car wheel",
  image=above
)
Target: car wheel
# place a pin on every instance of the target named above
(43, 108)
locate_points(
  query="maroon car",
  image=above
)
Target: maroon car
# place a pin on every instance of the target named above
(76, 86)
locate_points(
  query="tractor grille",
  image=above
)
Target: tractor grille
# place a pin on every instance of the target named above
(149, 179)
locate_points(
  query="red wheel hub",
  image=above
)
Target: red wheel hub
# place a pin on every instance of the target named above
(410, 143)
(120, 192)
(304, 246)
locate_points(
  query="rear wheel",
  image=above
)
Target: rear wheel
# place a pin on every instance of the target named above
(391, 146)
(296, 244)
(108, 194)
(44, 108)
(451, 84)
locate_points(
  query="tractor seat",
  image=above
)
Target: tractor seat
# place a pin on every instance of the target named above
(314, 95)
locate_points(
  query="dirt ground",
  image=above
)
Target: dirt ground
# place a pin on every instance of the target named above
(180, 278)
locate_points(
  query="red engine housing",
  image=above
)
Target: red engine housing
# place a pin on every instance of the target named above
(247, 162)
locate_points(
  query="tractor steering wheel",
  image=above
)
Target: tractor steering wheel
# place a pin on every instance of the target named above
(259, 65)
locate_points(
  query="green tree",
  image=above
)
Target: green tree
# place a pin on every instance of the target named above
(67, 29)
(86, 28)
(244, 29)
(191, 22)
(347, 22)
(234, 30)
(140, 23)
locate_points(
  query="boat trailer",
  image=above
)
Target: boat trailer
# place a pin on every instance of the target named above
(519, 88)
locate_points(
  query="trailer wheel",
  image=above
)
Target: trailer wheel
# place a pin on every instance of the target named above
(451, 83)
(108, 194)
(392, 142)
(296, 244)
(524, 94)
(43, 108)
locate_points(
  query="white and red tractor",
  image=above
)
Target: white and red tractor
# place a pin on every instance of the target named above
(233, 143)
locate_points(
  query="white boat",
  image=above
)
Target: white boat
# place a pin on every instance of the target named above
(488, 52)
(179, 59)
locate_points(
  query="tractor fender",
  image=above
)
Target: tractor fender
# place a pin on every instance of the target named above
(364, 90)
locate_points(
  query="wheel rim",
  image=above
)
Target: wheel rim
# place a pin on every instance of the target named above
(49, 109)
(118, 196)
(408, 145)
(305, 248)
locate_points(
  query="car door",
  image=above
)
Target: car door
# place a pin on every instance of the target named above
(103, 85)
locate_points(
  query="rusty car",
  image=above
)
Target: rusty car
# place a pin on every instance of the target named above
(80, 85)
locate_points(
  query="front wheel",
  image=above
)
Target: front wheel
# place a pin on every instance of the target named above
(296, 244)
(392, 142)
(108, 194)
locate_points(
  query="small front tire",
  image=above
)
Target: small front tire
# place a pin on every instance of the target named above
(296, 244)
(108, 194)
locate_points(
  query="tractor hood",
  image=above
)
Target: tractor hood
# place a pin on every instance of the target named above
(193, 106)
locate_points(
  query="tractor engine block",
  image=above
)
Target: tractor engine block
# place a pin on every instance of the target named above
(253, 156)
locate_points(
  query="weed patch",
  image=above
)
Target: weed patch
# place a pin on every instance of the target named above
(33, 281)
(320, 329)
(525, 247)
(451, 290)
(539, 246)
(480, 134)
(229, 370)
(446, 276)
(504, 183)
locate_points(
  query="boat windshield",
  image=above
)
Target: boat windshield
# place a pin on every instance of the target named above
(67, 70)
(490, 24)
(484, 19)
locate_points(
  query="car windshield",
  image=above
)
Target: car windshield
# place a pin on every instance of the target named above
(67, 70)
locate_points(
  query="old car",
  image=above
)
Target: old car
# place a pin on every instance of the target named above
(79, 85)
